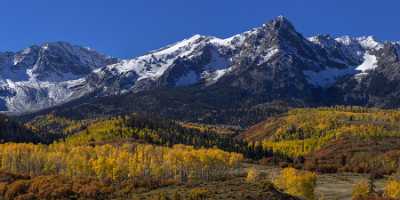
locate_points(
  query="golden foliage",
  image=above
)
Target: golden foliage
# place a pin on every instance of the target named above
(392, 189)
(303, 131)
(135, 162)
(361, 190)
(252, 175)
(298, 183)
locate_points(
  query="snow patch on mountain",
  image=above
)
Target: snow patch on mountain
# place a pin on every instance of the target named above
(220, 73)
(155, 63)
(42, 76)
(370, 63)
(212, 77)
(370, 43)
(234, 41)
(367, 42)
(270, 53)
(328, 77)
(182, 48)
(360, 43)
(33, 95)
(345, 40)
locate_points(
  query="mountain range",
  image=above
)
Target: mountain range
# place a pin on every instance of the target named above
(205, 78)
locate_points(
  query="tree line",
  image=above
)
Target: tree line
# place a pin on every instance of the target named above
(136, 163)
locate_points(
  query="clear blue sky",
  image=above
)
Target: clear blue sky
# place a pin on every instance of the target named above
(126, 28)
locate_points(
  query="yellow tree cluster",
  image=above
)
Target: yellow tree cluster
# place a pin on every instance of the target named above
(252, 175)
(297, 183)
(364, 189)
(392, 189)
(135, 162)
(302, 131)
(51, 124)
(292, 148)
(361, 190)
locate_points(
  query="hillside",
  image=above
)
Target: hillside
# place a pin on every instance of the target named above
(215, 106)
(130, 156)
(137, 156)
(12, 131)
(139, 128)
(333, 139)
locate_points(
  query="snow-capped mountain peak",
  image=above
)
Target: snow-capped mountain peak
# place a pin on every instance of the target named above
(41, 76)
(271, 58)
(155, 63)
(370, 42)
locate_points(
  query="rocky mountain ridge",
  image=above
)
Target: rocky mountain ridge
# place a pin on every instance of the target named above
(269, 63)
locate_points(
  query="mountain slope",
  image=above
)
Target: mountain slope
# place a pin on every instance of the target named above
(378, 86)
(213, 80)
(333, 139)
(11, 131)
(41, 76)
(254, 61)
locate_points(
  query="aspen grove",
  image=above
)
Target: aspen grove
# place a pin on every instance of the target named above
(134, 162)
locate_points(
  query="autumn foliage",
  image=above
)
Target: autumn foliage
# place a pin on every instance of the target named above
(361, 190)
(333, 139)
(392, 189)
(135, 162)
(298, 183)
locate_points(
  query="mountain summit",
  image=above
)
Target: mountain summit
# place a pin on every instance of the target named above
(271, 63)
(41, 76)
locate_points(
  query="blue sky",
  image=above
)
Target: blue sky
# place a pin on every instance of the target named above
(127, 28)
